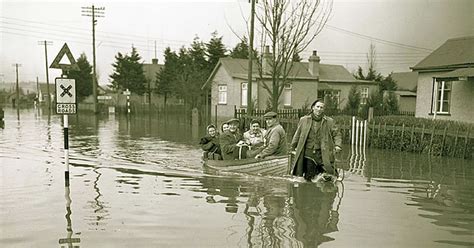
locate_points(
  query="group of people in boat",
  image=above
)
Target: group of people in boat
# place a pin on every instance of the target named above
(314, 144)
(255, 143)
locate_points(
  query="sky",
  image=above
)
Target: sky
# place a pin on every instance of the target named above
(403, 31)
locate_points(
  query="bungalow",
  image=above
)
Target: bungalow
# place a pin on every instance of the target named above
(445, 87)
(227, 85)
(406, 90)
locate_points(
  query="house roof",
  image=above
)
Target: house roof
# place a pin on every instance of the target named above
(405, 80)
(454, 53)
(404, 93)
(238, 68)
(463, 72)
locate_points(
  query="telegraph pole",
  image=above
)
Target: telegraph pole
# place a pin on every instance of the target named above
(17, 101)
(249, 84)
(46, 43)
(94, 12)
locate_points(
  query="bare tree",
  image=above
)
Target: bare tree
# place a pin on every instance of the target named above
(288, 27)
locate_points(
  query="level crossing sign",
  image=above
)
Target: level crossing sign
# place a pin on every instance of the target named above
(65, 96)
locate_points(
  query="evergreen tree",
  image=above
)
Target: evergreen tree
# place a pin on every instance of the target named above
(388, 83)
(353, 101)
(296, 57)
(128, 73)
(241, 50)
(215, 50)
(83, 77)
(390, 103)
(166, 77)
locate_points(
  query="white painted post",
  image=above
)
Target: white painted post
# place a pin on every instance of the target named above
(66, 149)
(353, 130)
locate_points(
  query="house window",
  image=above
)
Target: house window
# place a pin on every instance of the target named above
(222, 94)
(443, 97)
(332, 98)
(364, 94)
(243, 94)
(287, 95)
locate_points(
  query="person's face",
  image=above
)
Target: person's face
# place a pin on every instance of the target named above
(225, 127)
(212, 131)
(255, 127)
(233, 127)
(270, 121)
(318, 108)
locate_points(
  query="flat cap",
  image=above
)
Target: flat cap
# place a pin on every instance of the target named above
(233, 120)
(270, 115)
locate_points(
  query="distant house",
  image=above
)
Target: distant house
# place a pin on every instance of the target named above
(43, 92)
(445, 88)
(150, 71)
(406, 90)
(227, 85)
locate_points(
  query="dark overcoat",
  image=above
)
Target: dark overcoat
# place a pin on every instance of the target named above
(330, 137)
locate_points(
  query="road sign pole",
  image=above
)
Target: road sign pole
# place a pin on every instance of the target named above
(66, 149)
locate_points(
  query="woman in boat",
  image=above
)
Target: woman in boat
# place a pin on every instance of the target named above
(254, 136)
(316, 140)
(210, 144)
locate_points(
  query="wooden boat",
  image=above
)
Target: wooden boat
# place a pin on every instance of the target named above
(273, 165)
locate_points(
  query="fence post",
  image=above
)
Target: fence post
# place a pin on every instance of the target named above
(466, 142)
(411, 138)
(444, 140)
(453, 151)
(422, 136)
(215, 116)
(401, 137)
(352, 130)
(431, 140)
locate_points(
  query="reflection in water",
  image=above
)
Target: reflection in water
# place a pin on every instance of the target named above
(69, 241)
(97, 204)
(278, 212)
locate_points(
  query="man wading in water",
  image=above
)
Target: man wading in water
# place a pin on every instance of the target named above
(316, 140)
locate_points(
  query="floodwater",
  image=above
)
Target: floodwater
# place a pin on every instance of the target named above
(139, 182)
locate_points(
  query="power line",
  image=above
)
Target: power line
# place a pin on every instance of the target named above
(371, 38)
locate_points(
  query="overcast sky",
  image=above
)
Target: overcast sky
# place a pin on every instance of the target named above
(403, 31)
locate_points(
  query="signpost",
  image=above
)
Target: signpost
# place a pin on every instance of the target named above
(66, 105)
(65, 97)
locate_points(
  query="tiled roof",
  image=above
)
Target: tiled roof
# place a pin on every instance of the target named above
(453, 53)
(238, 68)
(406, 80)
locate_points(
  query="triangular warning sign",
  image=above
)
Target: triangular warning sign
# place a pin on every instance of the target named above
(57, 62)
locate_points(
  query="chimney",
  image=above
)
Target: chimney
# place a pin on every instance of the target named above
(154, 61)
(267, 61)
(313, 66)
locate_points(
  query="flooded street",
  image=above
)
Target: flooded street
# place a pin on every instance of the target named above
(139, 182)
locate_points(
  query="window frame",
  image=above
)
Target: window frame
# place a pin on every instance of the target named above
(222, 94)
(287, 89)
(242, 95)
(443, 88)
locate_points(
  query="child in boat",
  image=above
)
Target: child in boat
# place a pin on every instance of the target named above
(210, 144)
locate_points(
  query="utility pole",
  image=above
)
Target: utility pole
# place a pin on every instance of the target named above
(94, 12)
(46, 43)
(17, 100)
(249, 80)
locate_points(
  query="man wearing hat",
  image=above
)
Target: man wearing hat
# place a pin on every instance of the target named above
(275, 138)
(231, 140)
(315, 143)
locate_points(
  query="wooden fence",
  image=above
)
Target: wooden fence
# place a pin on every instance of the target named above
(451, 142)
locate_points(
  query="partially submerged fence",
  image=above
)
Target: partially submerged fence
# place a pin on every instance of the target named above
(451, 141)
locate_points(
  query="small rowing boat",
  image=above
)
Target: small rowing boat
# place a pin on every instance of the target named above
(273, 165)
